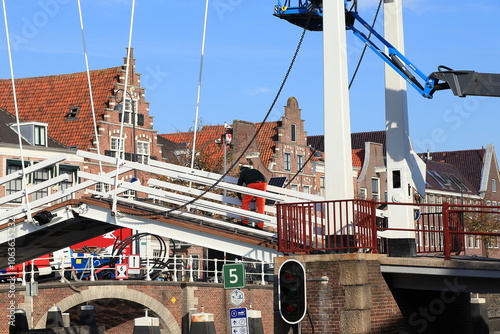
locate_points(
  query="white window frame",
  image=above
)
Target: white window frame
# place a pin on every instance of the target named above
(300, 161)
(114, 144)
(375, 188)
(287, 162)
(143, 151)
(40, 135)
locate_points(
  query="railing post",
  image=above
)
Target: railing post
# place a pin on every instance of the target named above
(23, 275)
(216, 279)
(148, 272)
(374, 230)
(446, 231)
(92, 269)
(190, 264)
(262, 266)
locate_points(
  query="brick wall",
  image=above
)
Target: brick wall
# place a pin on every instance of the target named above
(163, 298)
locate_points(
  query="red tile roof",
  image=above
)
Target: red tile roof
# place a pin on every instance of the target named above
(210, 152)
(206, 137)
(358, 157)
(48, 99)
(266, 141)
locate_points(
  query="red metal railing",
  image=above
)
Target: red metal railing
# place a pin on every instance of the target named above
(348, 226)
(337, 226)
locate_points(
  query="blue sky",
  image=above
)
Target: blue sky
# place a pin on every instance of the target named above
(247, 54)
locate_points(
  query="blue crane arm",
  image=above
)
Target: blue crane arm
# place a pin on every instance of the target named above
(308, 14)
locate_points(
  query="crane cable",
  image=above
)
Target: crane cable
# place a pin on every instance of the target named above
(121, 142)
(89, 83)
(16, 107)
(364, 48)
(200, 76)
(243, 152)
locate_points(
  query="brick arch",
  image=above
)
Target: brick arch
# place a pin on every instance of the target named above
(167, 320)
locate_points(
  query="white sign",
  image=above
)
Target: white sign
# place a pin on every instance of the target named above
(237, 297)
(238, 319)
(134, 264)
(121, 271)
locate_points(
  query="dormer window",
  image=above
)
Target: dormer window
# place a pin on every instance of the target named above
(34, 133)
(72, 113)
(40, 135)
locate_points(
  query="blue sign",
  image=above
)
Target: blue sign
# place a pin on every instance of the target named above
(238, 319)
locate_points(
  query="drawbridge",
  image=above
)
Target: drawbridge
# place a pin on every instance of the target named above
(171, 202)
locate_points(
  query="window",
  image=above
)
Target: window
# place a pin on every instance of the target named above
(130, 112)
(40, 138)
(431, 201)
(300, 162)
(375, 188)
(40, 176)
(288, 161)
(143, 152)
(322, 185)
(71, 171)
(306, 189)
(102, 187)
(294, 132)
(17, 184)
(493, 185)
(363, 193)
(116, 146)
(295, 187)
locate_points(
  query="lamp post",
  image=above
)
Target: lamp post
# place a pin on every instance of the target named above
(225, 139)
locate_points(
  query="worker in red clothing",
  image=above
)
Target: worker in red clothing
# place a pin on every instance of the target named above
(254, 179)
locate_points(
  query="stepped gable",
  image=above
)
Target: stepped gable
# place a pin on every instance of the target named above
(49, 99)
(468, 162)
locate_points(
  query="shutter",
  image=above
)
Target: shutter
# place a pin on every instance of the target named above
(140, 119)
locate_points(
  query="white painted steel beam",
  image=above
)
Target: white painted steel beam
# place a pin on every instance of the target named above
(338, 167)
(399, 175)
(33, 168)
(19, 211)
(228, 183)
(190, 235)
(192, 216)
(34, 188)
(198, 204)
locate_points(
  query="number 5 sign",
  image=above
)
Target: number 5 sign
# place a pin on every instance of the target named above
(234, 276)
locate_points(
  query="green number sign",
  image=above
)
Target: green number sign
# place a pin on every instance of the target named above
(234, 276)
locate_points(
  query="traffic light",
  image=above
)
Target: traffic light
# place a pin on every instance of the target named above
(292, 291)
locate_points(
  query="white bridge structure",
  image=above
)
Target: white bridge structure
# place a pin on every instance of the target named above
(165, 207)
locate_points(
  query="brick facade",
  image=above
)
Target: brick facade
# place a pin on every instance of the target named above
(167, 300)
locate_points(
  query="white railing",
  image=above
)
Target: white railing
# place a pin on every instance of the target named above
(92, 267)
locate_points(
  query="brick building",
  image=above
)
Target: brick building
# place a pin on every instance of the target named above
(63, 104)
(280, 148)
